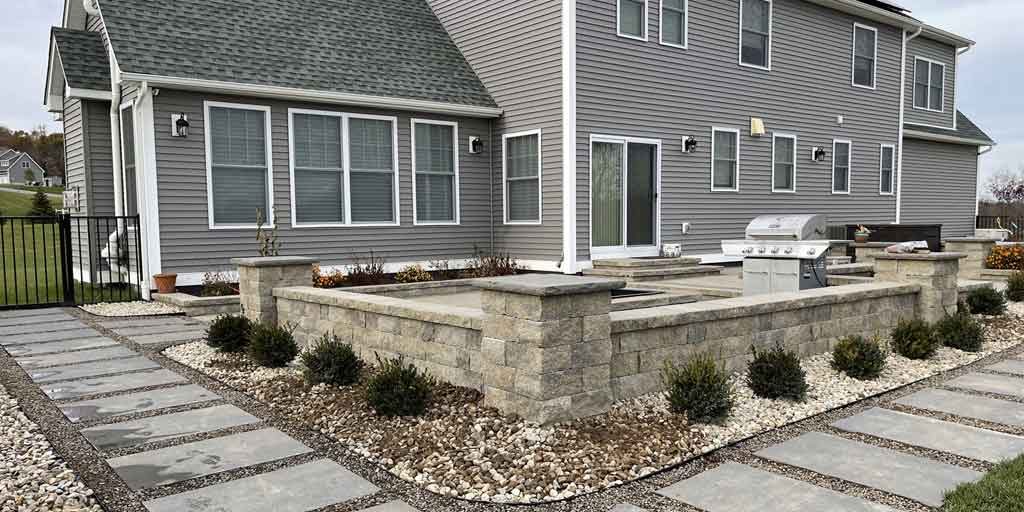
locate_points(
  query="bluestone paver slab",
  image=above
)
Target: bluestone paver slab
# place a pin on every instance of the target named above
(157, 329)
(167, 426)
(943, 436)
(134, 403)
(626, 507)
(391, 506)
(54, 347)
(17, 313)
(46, 337)
(93, 369)
(66, 358)
(919, 479)
(735, 487)
(124, 382)
(170, 337)
(60, 325)
(1014, 366)
(299, 488)
(984, 408)
(143, 322)
(36, 320)
(192, 460)
(989, 383)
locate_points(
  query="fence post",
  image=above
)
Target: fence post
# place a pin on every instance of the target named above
(67, 265)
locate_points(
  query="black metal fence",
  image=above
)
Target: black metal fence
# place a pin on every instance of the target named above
(65, 260)
(1014, 224)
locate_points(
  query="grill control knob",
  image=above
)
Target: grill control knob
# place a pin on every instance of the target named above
(811, 251)
(761, 250)
(775, 250)
(789, 250)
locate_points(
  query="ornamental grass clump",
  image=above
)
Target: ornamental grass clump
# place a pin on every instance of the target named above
(777, 374)
(914, 339)
(398, 389)
(858, 357)
(1015, 286)
(961, 331)
(986, 301)
(699, 389)
(272, 346)
(330, 361)
(229, 333)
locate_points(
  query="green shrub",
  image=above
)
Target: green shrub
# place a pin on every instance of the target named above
(399, 390)
(229, 333)
(413, 274)
(699, 389)
(914, 339)
(777, 374)
(272, 346)
(1015, 286)
(329, 361)
(960, 331)
(986, 301)
(859, 358)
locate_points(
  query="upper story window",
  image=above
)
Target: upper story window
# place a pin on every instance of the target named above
(929, 82)
(841, 152)
(238, 164)
(674, 22)
(783, 163)
(887, 172)
(5, 164)
(865, 55)
(522, 173)
(725, 160)
(756, 33)
(24, 165)
(128, 162)
(435, 171)
(633, 19)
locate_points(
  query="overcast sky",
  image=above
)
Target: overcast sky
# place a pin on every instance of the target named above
(985, 77)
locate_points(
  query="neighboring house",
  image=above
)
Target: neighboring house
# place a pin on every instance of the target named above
(19, 168)
(558, 131)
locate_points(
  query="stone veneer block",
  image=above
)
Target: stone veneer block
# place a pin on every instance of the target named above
(988, 383)
(936, 272)
(134, 403)
(167, 426)
(968, 406)
(257, 278)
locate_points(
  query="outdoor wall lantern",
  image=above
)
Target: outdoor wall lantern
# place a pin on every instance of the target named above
(179, 125)
(818, 154)
(689, 145)
(476, 145)
(757, 128)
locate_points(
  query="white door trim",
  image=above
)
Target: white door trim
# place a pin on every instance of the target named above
(625, 250)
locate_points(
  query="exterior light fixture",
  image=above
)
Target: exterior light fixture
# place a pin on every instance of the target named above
(757, 127)
(818, 154)
(179, 125)
(689, 145)
(476, 145)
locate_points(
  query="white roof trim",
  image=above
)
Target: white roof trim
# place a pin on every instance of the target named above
(289, 93)
(88, 94)
(953, 139)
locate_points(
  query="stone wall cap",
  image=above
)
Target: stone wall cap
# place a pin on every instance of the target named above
(548, 285)
(971, 239)
(930, 256)
(273, 261)
(872, 245)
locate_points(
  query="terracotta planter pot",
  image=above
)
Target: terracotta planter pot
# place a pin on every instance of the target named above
(860, 239)
(166, 283)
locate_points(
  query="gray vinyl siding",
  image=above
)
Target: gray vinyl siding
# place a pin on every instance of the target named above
(100, 162)
(940, 185)
(627, 87)
(944, 54)
(515, 46)
(74, 152)
(188, 245)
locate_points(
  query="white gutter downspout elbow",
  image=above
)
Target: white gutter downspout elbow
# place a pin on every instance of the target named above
(90, 9)
(903, 109)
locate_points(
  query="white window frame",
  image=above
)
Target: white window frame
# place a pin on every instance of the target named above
(124, 168)
(268, 141)
(455, 160)
(715, 130)
(792, 137)
(853, 59)
(849, 167)
(540, 178)
(618, 21)
(771, 37)
(24, 165)
(892, 177)
(346, 168)
(686, 25)
(928, 96)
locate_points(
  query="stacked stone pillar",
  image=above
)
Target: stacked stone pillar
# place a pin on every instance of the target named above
(546, 347)
(257, 278)
(937, 273)
(977, 251)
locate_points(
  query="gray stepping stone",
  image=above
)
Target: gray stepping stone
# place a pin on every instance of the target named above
(1013, 366)
(919, 479)
(46, 337)
(36, 320)
(18, 313)
(144, 322)
(170, 337)
(54, 347)
(192, 460)
(735, 487)
(65, 325)
(626, 507)
(134, 403)
(157, 329)
(167, 426)
(94, 369)
(988, 383)
(299, 488)
(84, 356)
(125, 382)
(391, 506)
(968, 406)
(943, 436)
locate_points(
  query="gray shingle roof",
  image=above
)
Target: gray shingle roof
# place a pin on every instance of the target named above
(965, 129)
(390, 48)
(84, 59)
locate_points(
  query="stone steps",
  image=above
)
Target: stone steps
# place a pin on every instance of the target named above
(654, 274)
(646, 263)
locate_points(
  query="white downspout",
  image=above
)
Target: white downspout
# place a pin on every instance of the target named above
(115, 136)
(903, 108)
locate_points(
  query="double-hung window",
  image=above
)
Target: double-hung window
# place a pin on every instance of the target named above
(128, 161)
(673, 28)
(5, 164)
(521, 169)
(632, 19)
(24, 165)
(372, 170)
(725, 160)
(783, 163)
(756, 33)
(887, 173)
(436, 171)
(929, 84)
(841, 150)
(318, 173)
(865, 55)
(238, 164)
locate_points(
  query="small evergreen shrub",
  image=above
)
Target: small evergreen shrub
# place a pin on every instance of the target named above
(914, 339)
(413, 274)
(859, 358)
(329, 361)
(229, 333)
(272, 346)
(777, 374)
(986, 301)
(399, 389)
(960, 331)
(41, 206)
(1015, 286)
(700, 389)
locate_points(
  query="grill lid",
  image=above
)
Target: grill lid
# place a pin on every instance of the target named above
(787, 227)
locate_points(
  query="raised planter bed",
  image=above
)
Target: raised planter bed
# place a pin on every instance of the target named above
(991, 274)
(193, 305)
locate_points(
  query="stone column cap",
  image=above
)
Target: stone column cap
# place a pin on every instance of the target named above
(273, 261)
(971, 239)
(548, 285)
(930, 256)
(872, 245)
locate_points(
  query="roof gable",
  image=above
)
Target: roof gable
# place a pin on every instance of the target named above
(83, 58)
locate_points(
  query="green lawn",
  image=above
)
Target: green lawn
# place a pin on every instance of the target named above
(13, 204)
(1001, 490)
(48, 190)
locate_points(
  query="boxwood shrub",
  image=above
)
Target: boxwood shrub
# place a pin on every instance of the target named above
(229, 333)
(777, 374)
(398, 389)
(986, 301)
(330, 361)
(859, 357)
(1015, 286)
(914, 339)
(699, 389)
(272, 346)
(960, 331)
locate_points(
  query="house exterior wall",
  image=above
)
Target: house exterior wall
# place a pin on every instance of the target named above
(515, 47)
(75, 152)
(628, 87)
(940, 186)
(944, 54)
(100, 163)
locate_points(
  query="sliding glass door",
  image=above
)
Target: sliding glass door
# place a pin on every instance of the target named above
(624, 196)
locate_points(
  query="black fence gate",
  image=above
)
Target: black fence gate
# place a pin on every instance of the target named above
(69, 260)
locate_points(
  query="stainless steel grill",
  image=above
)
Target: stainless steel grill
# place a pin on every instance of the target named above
(782, 253)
